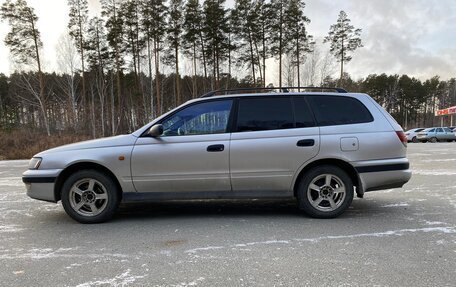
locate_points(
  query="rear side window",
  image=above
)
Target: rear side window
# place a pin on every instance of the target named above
(303, 115)
(261, 114)
(339, 110)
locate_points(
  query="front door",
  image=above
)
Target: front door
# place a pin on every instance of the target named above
(192, 155)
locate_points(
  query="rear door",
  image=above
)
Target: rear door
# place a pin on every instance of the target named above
(270, 141)
(441, 134)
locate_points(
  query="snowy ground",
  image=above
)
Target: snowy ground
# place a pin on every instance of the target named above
(401, 237)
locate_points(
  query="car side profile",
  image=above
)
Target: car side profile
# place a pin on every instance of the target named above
(412, 134)
(317, 147)
(436, 134)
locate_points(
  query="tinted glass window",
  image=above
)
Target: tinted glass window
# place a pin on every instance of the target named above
(418, 130)
(303, 115)
(439, 130)
(259, 114)
(339, 110)
(198, 119)
(431, 130)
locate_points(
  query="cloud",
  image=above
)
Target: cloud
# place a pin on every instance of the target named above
(414, 37)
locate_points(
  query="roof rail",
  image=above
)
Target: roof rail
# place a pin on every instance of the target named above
(282, 89)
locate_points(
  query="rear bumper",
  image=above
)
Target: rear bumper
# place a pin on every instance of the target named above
(40, 184)
(383, 174)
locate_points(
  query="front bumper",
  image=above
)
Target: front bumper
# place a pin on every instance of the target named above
(383, 174)
(40, 184)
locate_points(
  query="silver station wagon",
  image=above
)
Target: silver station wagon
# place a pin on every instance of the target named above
(317, 147)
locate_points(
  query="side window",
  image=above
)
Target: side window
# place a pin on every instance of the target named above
(447, 130)
(199, 119)
(431, 131)
(303, 116)
(339, 110)
(260, 114)
(440, 130)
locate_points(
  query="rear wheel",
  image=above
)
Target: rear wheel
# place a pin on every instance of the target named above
(89, 196)
(325, 192)
(414, 139)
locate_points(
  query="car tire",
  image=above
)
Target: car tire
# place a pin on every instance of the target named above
(414, 139)
(90, 196)
(433, 140)
(325, 192)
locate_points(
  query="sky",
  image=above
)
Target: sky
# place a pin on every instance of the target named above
(413, 37)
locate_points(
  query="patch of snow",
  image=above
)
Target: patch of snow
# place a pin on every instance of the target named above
(434, 172)
(434, 222)
(400, 232)
(12, 181)
(195, 250)
(16, 163)
(123, 279)
(263, 243)
(439, 160)
(396, 205)
(10, 228)
(47, 253)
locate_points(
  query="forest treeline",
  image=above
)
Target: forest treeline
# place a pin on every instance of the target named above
(140, 58)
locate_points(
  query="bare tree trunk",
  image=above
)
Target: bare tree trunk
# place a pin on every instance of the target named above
(157, 76)
(149, 57)
(194, 87)
(92, 93)
(178, 96)
(41, 79)
(252, 58)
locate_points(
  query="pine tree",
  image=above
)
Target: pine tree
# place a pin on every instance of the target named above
(301, 43)
(192, 45)
(114, 25)
(98, 57)
(277, 32)
(154, 26)
(215, 34)
(174, 38)
(245, 28)
(264, 25)
(78, 25)
(24, 41)
(344, 39)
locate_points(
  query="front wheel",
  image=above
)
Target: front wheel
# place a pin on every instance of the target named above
(89, 196)
(433, 140)
(414, 139)
(325, 192)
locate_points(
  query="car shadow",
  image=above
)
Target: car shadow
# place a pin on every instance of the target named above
(239, 208)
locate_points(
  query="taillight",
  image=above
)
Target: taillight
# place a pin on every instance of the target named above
(402, 137)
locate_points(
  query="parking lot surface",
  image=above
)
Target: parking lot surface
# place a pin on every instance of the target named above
(396, 237)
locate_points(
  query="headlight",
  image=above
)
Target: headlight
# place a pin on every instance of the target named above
(35, 163)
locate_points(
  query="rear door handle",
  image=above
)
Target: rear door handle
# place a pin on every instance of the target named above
(306, 142)
(215, 148)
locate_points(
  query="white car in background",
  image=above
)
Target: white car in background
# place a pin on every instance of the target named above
(411, 134)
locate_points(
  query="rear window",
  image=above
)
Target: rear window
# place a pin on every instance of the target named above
(261, 114)
(339, 110)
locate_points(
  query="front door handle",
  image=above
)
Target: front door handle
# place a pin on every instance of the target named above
(306, 142)
(215, 148)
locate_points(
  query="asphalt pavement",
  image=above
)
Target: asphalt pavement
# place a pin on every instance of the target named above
(396, 237)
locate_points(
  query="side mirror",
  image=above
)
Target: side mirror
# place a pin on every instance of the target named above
(155, 131)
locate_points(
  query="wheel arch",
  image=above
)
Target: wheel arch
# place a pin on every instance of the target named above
(69, 170)
(347, 167)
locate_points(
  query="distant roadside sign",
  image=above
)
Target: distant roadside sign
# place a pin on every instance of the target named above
(447, 111)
